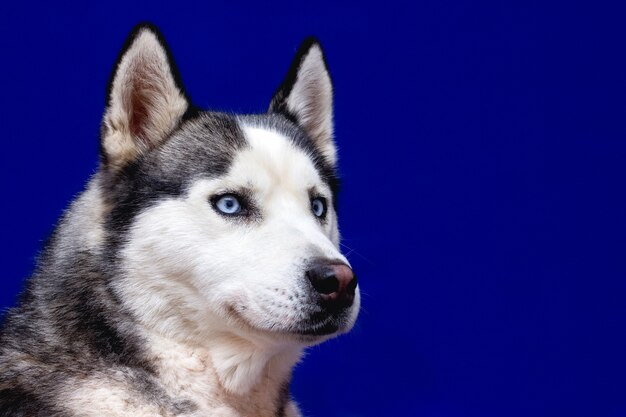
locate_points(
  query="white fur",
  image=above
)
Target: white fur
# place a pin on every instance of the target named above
(218, 297)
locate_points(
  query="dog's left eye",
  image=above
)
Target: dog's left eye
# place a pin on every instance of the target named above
(228, 204)
(318, 206)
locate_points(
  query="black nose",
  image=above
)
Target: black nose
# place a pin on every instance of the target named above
(336, 283)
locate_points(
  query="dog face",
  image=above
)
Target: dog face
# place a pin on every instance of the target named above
(221, 222)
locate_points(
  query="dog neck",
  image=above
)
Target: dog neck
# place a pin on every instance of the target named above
(242, 364)
(244, 376)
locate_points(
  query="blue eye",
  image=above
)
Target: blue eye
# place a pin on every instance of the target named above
(228, 204)
(318, 206)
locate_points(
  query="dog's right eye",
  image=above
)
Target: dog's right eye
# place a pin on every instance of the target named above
(228, 204)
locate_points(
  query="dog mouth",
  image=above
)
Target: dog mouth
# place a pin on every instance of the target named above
(317, 324)
(324, 323)
(310, 318)
(322, 328)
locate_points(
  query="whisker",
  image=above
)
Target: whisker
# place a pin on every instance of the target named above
(351, 250)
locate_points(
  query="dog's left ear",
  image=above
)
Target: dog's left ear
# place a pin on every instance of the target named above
(306, 97)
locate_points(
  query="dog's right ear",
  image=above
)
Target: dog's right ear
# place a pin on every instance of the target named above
(145, 99)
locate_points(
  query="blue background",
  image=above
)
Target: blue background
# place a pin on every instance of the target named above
(483, 156)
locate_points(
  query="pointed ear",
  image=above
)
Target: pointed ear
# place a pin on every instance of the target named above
(306, 96)
(145, 99)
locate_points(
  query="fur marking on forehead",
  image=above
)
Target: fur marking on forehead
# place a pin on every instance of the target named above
(278, 157)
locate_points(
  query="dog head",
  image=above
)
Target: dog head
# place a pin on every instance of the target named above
(224, 222)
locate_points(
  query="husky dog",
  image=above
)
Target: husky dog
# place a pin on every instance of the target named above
(199, 262)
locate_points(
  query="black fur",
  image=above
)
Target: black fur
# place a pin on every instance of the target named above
(283, 399)
(19, 402)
